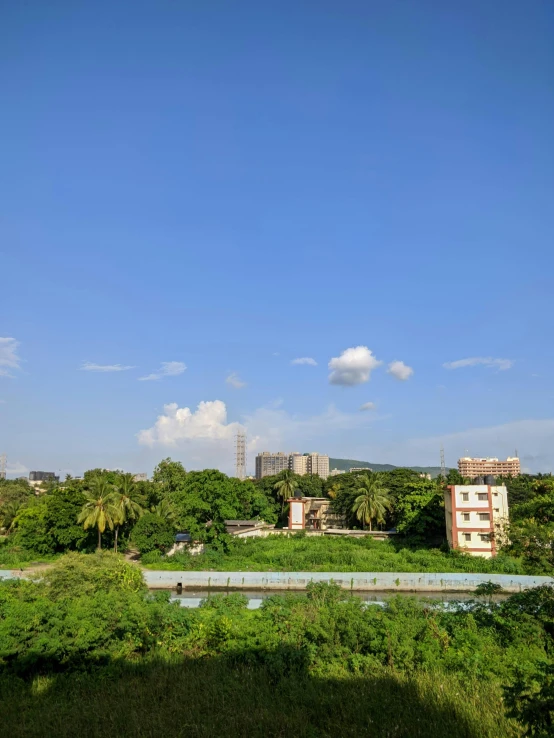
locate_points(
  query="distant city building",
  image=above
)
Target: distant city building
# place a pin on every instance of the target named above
(318, 464)
(41, 476)
(336, 472)
(36, 478)
(360, 469)
(476, 516)
(471, 468)
(140, 477)
(268, 464)
(298, 463)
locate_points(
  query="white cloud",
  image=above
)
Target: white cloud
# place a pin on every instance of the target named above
(368, 406)
(400, 371)
(353, 366)
(235, 381)
(178, 424)
(308, 361)
(9, 358)
(500, 364)
(167, 369)
(90, 367)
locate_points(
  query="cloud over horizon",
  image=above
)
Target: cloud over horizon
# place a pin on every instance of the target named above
(400, 371)
(207, 422)
(9, 358)
(167, 369)
(353, 366)
(501, 364)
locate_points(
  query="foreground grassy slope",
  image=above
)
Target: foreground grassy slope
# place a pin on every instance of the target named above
(304, 553)
(214, 698)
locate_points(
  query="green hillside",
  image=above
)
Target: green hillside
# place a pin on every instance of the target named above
(345, 464)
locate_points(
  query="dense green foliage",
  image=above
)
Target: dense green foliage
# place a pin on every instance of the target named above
(153, 533)
(89, 633)
(300, 552)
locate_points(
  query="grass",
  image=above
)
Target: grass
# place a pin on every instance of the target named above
(306, 553)
(15, 557)
(204, 698)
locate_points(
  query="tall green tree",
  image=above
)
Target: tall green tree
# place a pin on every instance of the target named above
(128, 503)
(99, 510)
(286, 486)
(373, 500)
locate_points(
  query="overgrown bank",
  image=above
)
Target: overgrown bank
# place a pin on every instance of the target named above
(88, 651)
(299, 552)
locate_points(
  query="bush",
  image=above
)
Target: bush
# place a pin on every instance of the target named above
(83, 574)
(152, 533)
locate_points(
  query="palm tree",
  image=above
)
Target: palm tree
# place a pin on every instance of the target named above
(285, 486)
(334, 490)
(99, 509)
(165, 510)
(128, 502)
(373, 500)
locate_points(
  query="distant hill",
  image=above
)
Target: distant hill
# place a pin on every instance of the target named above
(345, 464)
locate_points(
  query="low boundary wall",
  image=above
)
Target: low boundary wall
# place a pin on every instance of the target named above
(354, 581)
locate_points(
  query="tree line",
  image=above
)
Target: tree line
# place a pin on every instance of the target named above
(108, 508)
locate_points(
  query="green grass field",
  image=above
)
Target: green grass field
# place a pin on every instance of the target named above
(305, 553)
(210, 698)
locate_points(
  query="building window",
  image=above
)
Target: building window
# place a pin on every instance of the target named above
(465, 496)
(467, 536)
(485, 537)
(482, 496)
(484, 516)
(497, 509)
(465, 516)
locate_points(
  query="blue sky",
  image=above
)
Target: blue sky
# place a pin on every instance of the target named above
(232, 186)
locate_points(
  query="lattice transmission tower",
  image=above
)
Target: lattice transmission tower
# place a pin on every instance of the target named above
(443, 465)
(240, 454)
(3, 466)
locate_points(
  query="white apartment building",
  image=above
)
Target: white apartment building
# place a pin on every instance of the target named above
(476, 516)
(471, 468)
(268, 463)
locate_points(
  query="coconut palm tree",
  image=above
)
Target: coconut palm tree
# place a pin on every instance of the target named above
(373, 500)
(99, 509)
(128, 502)
(285, 486)
(165, 510)
(334, 490)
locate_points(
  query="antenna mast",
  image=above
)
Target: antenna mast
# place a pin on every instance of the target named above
(443, 465)
(240, 454)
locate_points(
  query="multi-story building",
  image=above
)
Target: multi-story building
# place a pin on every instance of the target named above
(336, 472)
(36, 478)
(140, 477)
(318, 464)
(268, 464)
(472, 468)
(476, 516)
(313, 513)
(360, 469)
(298, 463)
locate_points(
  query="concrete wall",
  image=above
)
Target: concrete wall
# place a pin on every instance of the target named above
(355, 581)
